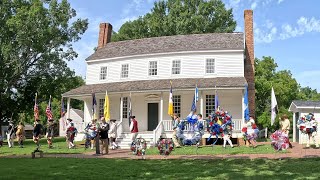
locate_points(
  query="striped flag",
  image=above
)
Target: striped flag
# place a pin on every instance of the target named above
(35, 108)
(195, 100)
(62, 112)
(48, 110)
(170, 106)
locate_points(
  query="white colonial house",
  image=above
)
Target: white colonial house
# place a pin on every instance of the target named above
(300, 109)
(143, 68)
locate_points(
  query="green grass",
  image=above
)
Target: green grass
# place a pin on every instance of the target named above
(59, 147)
(59, 168)
(215, 150)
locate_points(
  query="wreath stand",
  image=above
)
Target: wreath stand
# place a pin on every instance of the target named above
(34, 153)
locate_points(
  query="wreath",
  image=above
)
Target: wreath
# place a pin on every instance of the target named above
(307, 124)
(279, 140)
(139, 146)
(165, 146)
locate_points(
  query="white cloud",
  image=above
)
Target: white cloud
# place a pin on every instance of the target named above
(265, 36)
(280, 1)
(254, 5)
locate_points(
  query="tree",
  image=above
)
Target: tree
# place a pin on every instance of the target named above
(174, 17)
(285, 86)
(36, 39)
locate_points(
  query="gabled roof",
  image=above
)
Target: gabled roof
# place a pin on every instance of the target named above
(299, 104)
(165, 44)
(156, 85)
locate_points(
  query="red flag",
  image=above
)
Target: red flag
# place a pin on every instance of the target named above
(48, 110)
(35, 108)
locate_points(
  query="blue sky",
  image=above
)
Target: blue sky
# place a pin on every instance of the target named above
(287, 30)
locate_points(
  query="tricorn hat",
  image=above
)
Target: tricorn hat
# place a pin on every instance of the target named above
(69, 119)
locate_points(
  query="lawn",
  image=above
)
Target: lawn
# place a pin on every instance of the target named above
(59, 147)
(59, 168)
(209, 150)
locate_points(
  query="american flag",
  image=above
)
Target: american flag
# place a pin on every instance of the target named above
(62, 108)
(35, 109)
(48, 110)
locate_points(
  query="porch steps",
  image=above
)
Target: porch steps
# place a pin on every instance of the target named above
(124, 140)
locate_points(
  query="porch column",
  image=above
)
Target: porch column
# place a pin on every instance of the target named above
(161, 107)
(121, 110)
(68, 107)
(201, 103)
(294, 127)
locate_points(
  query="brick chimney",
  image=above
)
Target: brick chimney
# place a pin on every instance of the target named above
(104, 34)
(249, 59)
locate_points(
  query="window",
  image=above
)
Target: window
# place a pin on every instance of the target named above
(153, 68)
(101, 108)
(177, 104)
(210, 66)
(103, 73)
(125, 107)
(210, 104)
(176, 66)
(124, 70)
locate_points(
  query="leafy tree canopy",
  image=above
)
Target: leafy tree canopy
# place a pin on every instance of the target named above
(174, 17)
(36, 38)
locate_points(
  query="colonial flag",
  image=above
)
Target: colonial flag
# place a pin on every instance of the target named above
(274, 106)
(106, 107)
(94, 104)
(35, 108)
(62, 112)
(130, 109)
(48, 110)
(195, 100)
(246, 105)
(170, 106)
(216, 101)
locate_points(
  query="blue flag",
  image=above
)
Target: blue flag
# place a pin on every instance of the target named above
(195, 100)
(246, 105)
(94, 104)
(216, 102)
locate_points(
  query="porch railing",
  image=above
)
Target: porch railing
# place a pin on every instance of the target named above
(167, 125)
(119, 129)
(157, 132)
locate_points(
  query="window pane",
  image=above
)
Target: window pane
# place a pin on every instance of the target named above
(125, 70)
(210, 104)
(103, 73)
(125, 107)
(101, 108)
(153, 68)
(210, 65)
(177, 104)
(176, 66)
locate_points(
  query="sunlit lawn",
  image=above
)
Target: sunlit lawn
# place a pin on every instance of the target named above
(59, 147)
(59, 168)
(217, 149)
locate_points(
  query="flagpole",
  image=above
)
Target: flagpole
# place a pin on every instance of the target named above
(35, 104)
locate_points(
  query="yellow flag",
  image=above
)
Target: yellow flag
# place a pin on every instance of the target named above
(170, 106)
(106, 107)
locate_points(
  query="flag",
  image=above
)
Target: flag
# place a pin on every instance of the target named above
(94, 104)
(48, 110)
(246, 105)
(35, 108)
(106, 107)
(62, 112)
(130, 109)
(195, 100)
(170, 106)
(274, 106)
(216, 101)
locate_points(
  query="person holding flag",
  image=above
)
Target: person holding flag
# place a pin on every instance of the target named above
(50, 124)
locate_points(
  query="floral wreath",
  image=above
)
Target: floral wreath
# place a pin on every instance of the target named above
(165, 146)
(307, 119)
(279, 140)
(139, 146)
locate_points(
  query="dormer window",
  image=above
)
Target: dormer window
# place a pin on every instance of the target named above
(210, 66)
(124, 70)
(103, 73)
(176, 67)
(153, 68)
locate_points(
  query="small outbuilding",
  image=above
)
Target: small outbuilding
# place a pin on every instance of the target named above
(300, 108)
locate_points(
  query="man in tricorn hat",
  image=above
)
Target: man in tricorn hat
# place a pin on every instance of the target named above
(70, 134)
(50, 132)
(37, 129)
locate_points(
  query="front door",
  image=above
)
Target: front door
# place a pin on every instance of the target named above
(153, 116)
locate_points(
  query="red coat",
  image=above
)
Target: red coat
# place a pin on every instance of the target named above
(135, 126)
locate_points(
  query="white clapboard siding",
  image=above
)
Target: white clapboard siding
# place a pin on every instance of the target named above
(228, 64)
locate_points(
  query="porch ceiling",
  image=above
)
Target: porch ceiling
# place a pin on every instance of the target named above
(158, 85)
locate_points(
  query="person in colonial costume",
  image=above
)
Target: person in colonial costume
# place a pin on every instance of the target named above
(10, 134)
(250, 132)
(103, 132)
(134, 128)
(227, 129)
(308, 125)
(37, 130)
(92, 130)
(20, 134)
(70, 134)
(113, 133)
(285, 126)
(176, 122)
(50, 132)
